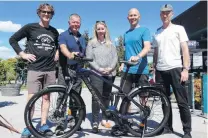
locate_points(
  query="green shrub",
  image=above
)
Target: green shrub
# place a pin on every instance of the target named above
(7, 72)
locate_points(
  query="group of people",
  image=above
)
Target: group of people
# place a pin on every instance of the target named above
(46, 47)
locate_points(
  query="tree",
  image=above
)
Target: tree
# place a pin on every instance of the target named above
(86, 36)
(120, 52)
(120, 48)
(7, 72)
(2, 72)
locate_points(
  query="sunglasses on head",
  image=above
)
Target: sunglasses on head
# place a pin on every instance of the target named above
(100, 22)
(48, 12)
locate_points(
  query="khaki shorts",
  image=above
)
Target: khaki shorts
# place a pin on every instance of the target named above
(37, 80)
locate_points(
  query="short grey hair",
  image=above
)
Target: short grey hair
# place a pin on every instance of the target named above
(74, 14)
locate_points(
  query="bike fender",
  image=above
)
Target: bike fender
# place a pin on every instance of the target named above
(56, 85)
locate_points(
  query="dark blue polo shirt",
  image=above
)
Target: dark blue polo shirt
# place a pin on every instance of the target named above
(68, 39)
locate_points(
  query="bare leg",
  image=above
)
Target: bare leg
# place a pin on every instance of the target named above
(45, 108)
(28, 98)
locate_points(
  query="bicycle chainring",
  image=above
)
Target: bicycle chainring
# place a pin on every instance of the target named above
(118, 131)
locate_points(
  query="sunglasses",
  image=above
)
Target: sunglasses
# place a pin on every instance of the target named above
(48, 12)
(100, 22)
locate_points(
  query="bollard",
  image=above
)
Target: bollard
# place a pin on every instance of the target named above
(192, 91)
(204, 89)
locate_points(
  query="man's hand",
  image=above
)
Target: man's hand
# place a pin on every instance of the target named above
(184, 75)
(73, 54)
(28, 57)
(134, 58)
(121, 67)
(56, 58)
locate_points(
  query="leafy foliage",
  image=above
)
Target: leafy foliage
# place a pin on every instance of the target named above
(7, 72)
(120, 52)
(86, 36)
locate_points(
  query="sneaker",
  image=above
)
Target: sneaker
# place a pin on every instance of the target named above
(26, 133)
(59, 130)
(95, 128)
(45, 130)
(187, 135)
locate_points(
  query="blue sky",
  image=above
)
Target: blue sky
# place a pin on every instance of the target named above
(13, 15)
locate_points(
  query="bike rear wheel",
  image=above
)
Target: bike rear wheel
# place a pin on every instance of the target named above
(158, 105)
(55, 117)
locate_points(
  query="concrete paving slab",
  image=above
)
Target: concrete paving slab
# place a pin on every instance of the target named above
(12, 108)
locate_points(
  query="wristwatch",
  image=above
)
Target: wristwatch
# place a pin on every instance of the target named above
(186, 68)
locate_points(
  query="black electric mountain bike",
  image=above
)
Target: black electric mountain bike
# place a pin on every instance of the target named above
(142, 112)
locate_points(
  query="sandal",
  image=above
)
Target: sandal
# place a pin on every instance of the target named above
(106, 124)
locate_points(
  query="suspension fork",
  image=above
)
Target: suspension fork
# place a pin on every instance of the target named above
(65, 96)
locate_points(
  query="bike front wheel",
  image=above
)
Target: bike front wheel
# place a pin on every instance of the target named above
(71, 110)
(153, 100)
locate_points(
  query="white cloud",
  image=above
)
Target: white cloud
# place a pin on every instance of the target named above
(6, 52)
(60, 30)
(8, 26)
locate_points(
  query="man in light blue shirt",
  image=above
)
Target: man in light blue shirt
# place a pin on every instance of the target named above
(137, 45)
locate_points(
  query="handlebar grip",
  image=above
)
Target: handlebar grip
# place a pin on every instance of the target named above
(129, 63)
(82, 59)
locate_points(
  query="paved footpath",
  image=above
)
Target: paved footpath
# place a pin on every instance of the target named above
(12, 108)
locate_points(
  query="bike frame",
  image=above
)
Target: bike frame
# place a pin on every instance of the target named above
(84, 74)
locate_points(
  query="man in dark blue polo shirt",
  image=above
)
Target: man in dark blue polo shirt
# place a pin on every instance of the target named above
(71, 43)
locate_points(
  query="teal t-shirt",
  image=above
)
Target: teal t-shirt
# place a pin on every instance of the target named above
(133, 43)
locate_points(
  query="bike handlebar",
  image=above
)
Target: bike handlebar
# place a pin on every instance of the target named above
(82, 59)
(129, 63)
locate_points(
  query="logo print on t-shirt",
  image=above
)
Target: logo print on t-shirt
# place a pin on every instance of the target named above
(45, 41)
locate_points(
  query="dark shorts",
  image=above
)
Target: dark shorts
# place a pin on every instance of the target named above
(134, 80)
(37, 80)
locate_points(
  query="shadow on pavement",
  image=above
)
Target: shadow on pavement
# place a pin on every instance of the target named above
(178, 134)
(6, 103)
(102, 132)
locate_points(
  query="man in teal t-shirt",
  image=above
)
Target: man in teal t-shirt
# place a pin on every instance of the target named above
(137, 45)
